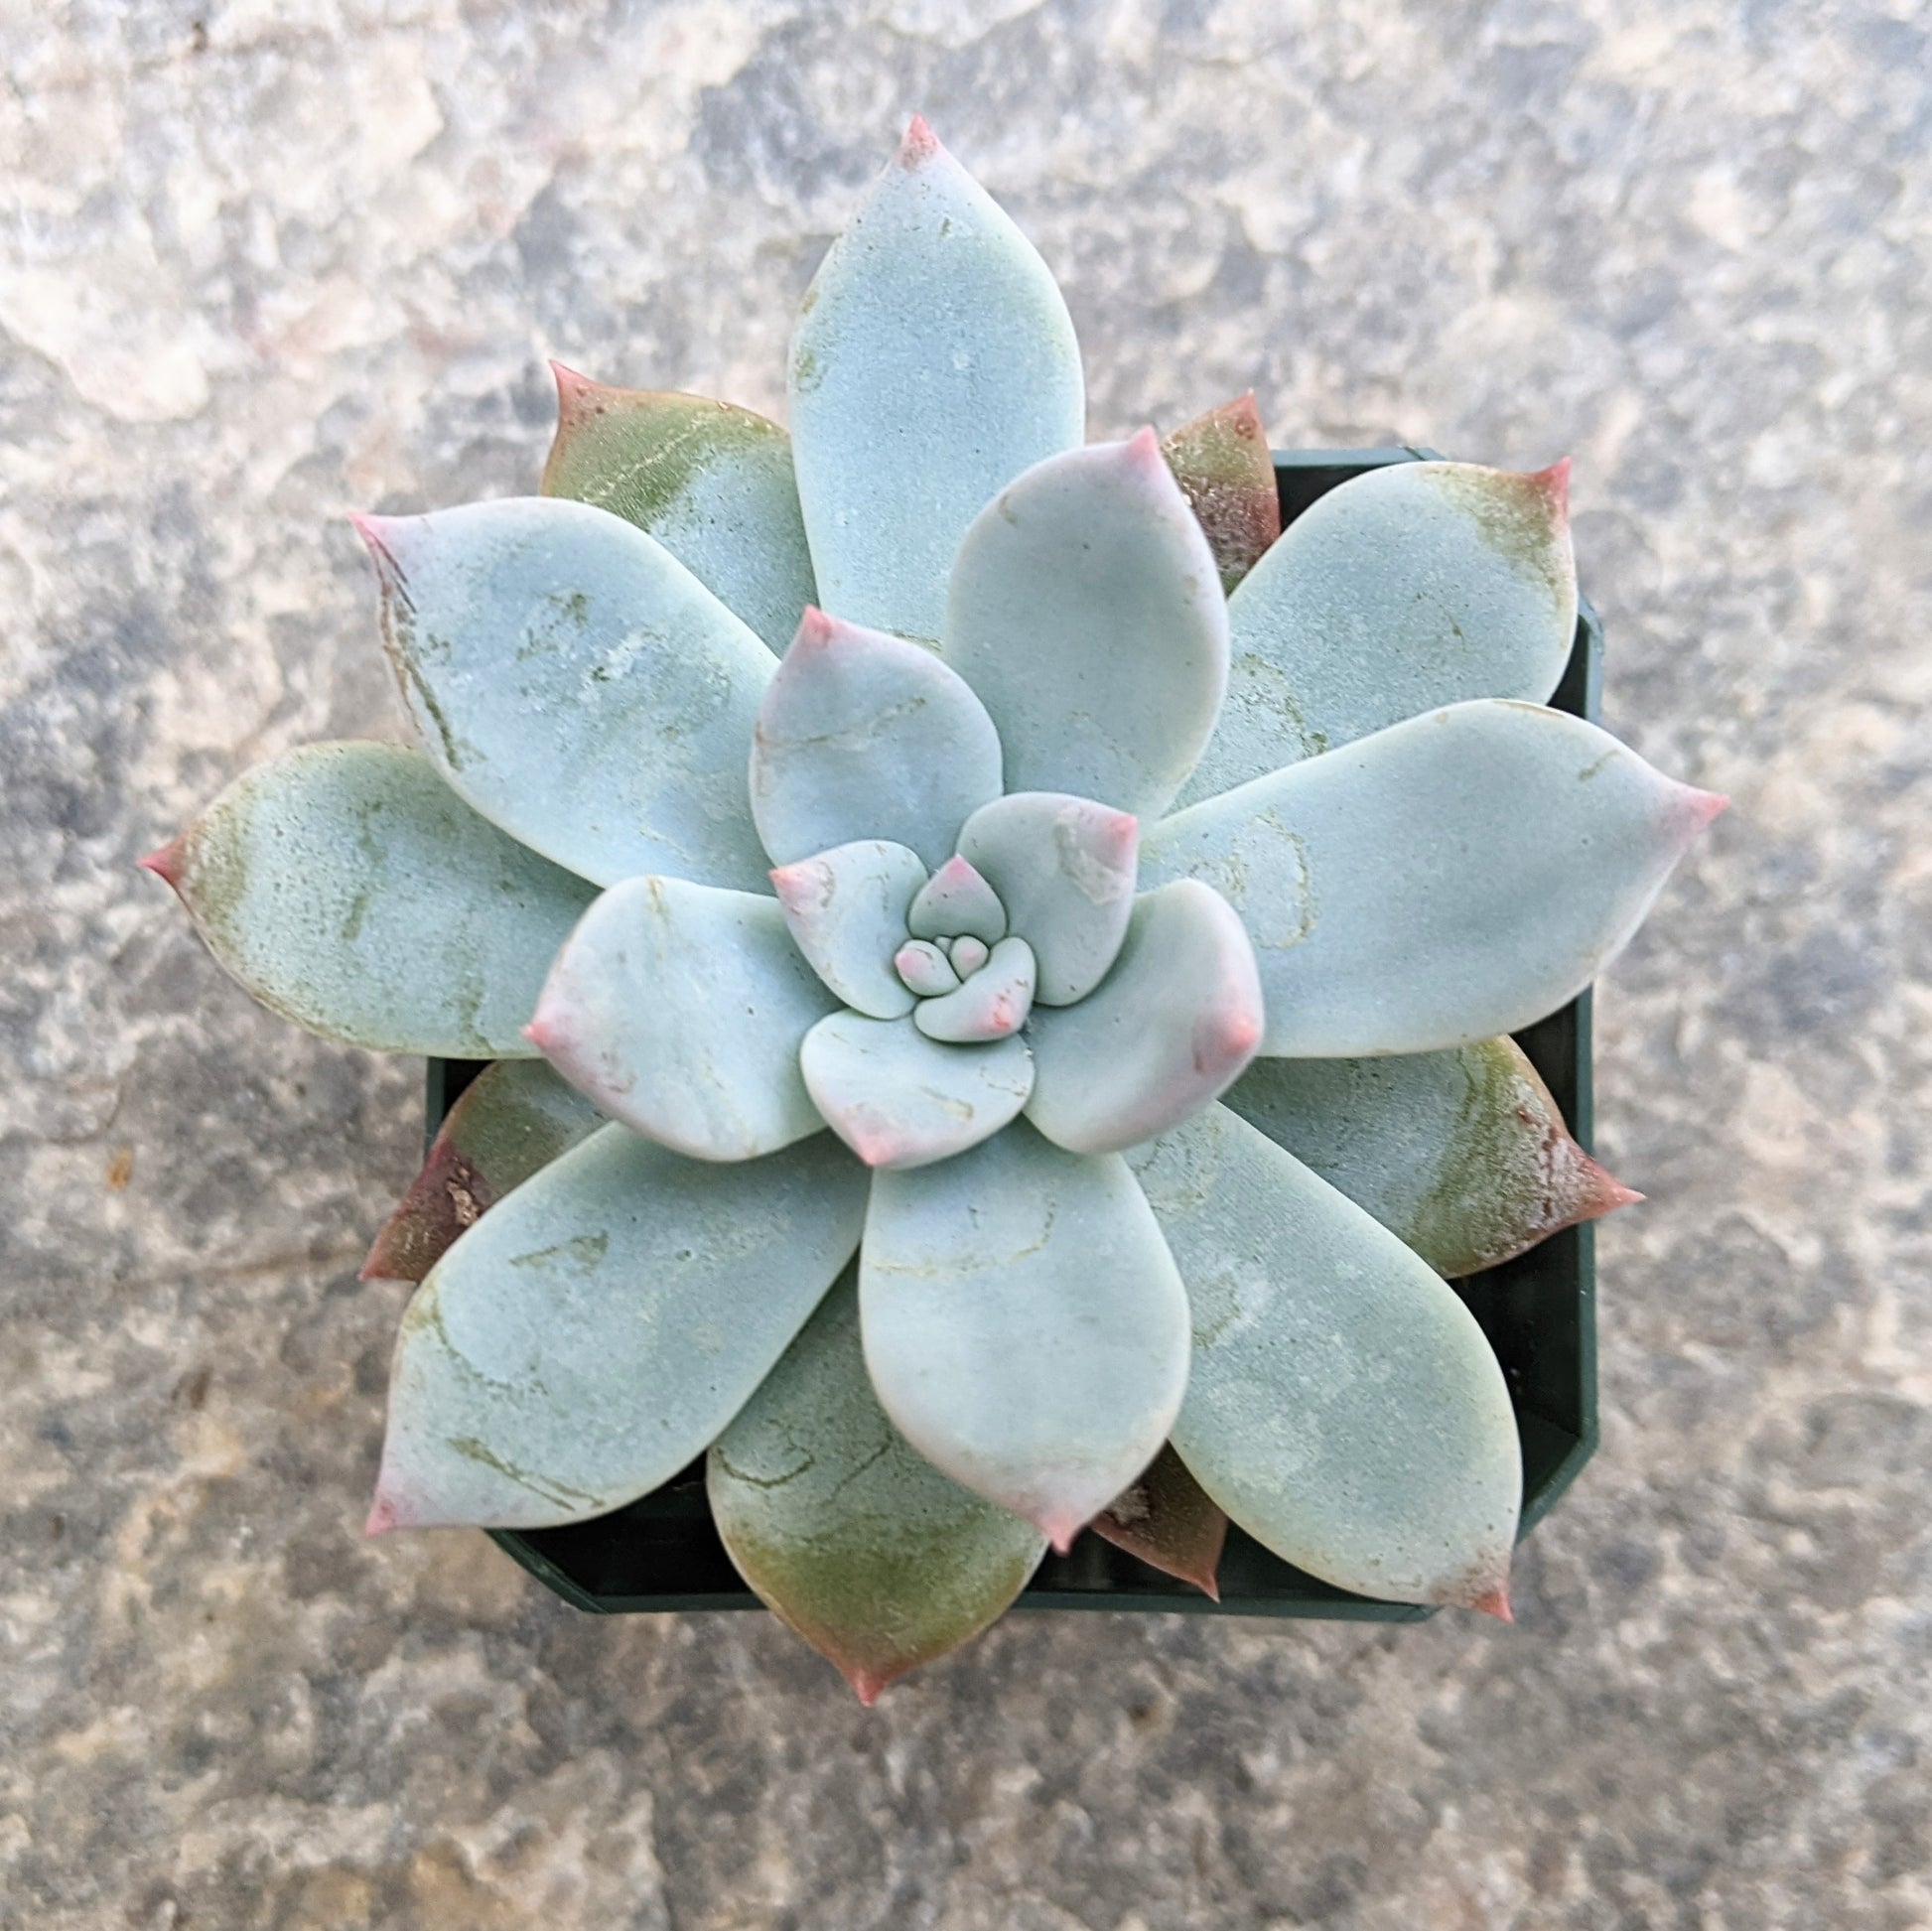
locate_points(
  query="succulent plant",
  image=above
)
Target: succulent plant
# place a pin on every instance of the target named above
(1079, 797)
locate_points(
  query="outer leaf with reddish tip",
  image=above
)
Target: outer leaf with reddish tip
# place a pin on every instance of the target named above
(577, 684)
(1463, 1154)
(1447, 879)
(1063, 870)
(846, 1533)
(1025, 1324)
(1222, 462)
(1406, 589)
(991, 1004)
(510, 1122)
(351, 890)
(1087, 612)
(1172, 1026)
(934, 360)
(712, 482)
(1342, 1406)
(602, 1326)
(899, 1100)
(866, 736)
(1168, 1519)
(847, 910)
(679, 1010)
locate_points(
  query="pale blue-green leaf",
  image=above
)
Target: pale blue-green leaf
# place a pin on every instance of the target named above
(934, 360)
(1445, 880)
(847, 909)
(1063, 869)
(1087, 612)
(1342, 1407)
(991, 1004)
(958, 903)
(848, 1533)
(679, 1009)
(1463, 1153)
(711, 481)
(925, 969)
(866, 736)
(1025, 1324)
(577, 684)
(1170, 1027)
(1406, 589)
(899, 1099)
(513, 1119)
(599, 1328)
(352, 891)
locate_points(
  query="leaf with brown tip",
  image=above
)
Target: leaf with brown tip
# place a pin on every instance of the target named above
(712, 484)
(848, 1534)
(512, 1119)
(1222, 462)
(1171, 1522)
(1463, 1154)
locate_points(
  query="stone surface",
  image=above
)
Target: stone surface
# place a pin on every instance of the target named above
(264, 263)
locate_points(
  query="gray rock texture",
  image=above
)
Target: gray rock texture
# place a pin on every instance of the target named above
(269, 260)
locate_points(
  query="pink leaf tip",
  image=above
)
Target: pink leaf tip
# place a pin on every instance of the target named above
(1704, 806)
(1495, 1602)
(1143, 448)
(165, 862)
(920, 143)
(865, 1686)
(1058, 1528)
(1601, 1191)
(1554, 483)
(815, 630)
(382, 1516)
(576, 395)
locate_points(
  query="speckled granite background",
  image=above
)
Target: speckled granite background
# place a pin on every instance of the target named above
(267, 260)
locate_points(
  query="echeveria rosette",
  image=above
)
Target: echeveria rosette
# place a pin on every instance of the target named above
(923, 879)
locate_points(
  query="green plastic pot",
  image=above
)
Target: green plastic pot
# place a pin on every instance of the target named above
(1539, 1311)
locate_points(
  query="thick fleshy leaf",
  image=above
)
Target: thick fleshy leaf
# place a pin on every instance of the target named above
(1222, 462)
(679, 1010)
(866, 736)
(577, 684)
(934, 360)
(847, 909)
(351, 890)
(1025, 1324)
(1168, 1519)
(1171, 1028)
(1063, 870)
(512, 1120)
(1463, 1153)
(991, 1004)
(923, 967)
(711, 481)
(847, 1535)
(899, 1099)
(1087, 612)
(1445, 880)
(596, 1330)
(1406, 589)
(1342, 1406)
(955, 903)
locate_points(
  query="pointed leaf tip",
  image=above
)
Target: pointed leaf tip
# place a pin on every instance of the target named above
(383, 1516)
(1554, 483)
(166, 861)
(1701, 808)
(1495, 1602)
(579, 401)
(865, 1686)
(1600, 1191)
(918, 147)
